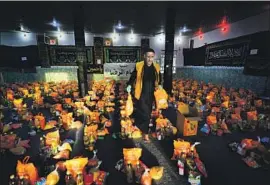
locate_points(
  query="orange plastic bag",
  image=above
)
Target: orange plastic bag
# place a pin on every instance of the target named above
(76, 165)
(129, 105)
(161, 99)
(211, 120)
(66, 119)
(132, 155)
(68, 101)
(179, 147)
(90, 129)
(27, 169)
(52, 138)
(40, 121)
(54, 94)
(58, 107)
(95, 116)
(146, 178)
(225, 104)
(10, 95)
(249, 144)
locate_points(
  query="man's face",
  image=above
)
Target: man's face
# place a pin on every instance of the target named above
(149, 58)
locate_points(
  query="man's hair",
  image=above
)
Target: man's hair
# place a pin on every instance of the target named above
(149, 50)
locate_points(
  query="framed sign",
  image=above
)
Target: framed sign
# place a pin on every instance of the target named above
(122, 54)
(119, 70)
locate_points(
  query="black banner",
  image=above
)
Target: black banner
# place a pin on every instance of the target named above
(227, 54)
(66, 55)
(94, 68)
(122, 54)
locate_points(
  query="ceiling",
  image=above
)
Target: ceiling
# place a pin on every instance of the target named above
(143, 17)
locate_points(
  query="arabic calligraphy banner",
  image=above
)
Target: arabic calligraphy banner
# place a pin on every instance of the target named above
(66, 55)
(122, 54)
(118, 70)
(230, 54)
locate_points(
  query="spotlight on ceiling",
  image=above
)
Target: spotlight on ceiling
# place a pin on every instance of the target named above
(119, 26)
(185, 29)
(22, 28)
(54, 23)
(132, 35)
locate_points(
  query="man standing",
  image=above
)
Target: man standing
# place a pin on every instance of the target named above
(145, 79)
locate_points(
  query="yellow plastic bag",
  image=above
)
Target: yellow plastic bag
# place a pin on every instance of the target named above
(129, 105)
(52, 178)
(52, 137)
(156, 172)
(18, 103)
(161, 99)
(76, 165)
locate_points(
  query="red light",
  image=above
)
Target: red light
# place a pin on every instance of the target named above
(223, 29)
(201, 37)
(199, 32)
(52, 42)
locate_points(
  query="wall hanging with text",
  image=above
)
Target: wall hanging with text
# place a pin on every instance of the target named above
(122, 54)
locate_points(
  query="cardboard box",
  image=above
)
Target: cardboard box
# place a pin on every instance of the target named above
(187, 125)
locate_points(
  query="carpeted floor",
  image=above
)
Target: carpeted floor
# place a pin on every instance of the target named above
(223, 166)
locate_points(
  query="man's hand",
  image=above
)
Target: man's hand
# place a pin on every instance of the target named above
(160, 87)
(129, 88)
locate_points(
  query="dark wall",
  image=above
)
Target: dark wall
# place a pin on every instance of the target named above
(12, 57)
(225, 53)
